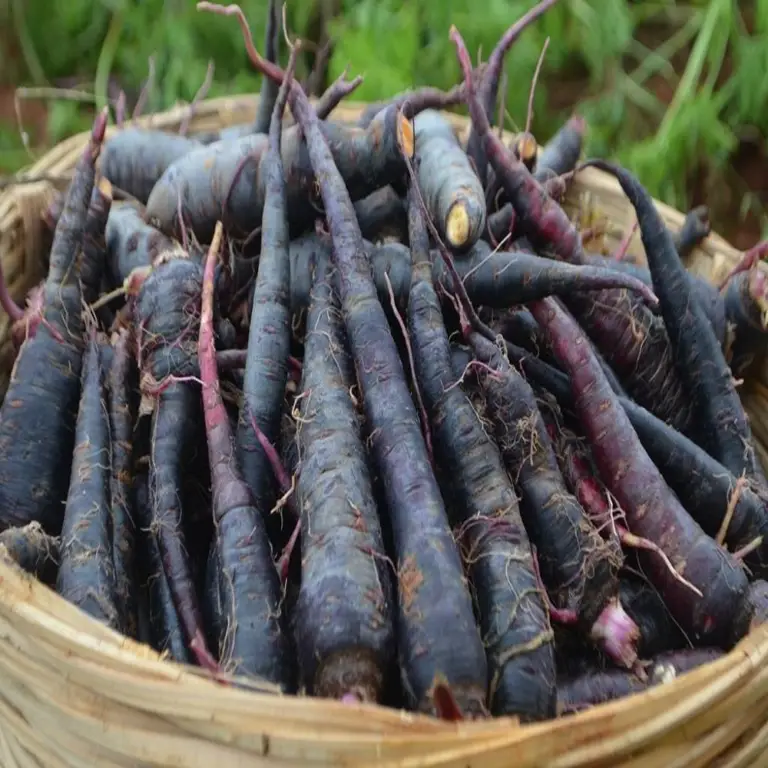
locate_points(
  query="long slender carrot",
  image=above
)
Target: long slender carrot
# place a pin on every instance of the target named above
(252, 639)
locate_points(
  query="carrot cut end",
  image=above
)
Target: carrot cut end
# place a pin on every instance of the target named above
(406, 137)
(457, 225)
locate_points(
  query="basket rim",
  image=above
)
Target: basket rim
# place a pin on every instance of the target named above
(60, 633)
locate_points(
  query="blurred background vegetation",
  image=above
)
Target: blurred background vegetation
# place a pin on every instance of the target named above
(677, 91)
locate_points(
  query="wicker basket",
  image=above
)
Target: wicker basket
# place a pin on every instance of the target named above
(73, 693)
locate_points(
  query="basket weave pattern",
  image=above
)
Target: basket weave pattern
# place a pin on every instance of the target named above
(73, 693)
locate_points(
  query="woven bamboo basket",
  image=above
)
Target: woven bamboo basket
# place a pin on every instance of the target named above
(73, 693)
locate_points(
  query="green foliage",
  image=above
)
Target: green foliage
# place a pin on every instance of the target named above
(617, 61)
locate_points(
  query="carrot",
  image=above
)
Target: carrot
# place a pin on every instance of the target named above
(579, 568)
(496, 280)
(33, 550)
(367, 159)
(269, 88)
(595, 688)
(93, 258)
(719, 613)
(123, 387)
(722, 422)
(561, 153)
(344, 616)
(382, 213)
(477, 148)
(452, 192)
(695, 228)
(131, 244)
(513, 619)
(86, 575)
(167, 316)
(38, 414)
(432, 593)
(745, 302)
(135, 158)
(252, 640)
(166, 634)
(269, 332)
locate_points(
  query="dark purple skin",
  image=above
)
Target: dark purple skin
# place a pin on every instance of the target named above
(269, 88)
(634, 342)
(123, 408)
(721, 421)
(344, 617)
(166, 634)
(578, 566)
(269, 336)
(136, 158)
(86, 575)
(707, 294)
(252, 637)
(366, 159)
(497, 552)
(561, 153)
(167, 315)
(447, 180)
(131, 243)
(93, 258)
(33, 550)
(496, 280)
(658, 631)
(695, 228)
(758, 596)
(382, 213)
(704, 486)
(721, 615)
(432, 594)
(38, 414)
(597, 687)
(746, 299)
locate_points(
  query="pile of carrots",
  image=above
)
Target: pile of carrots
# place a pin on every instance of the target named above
(352, 410)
